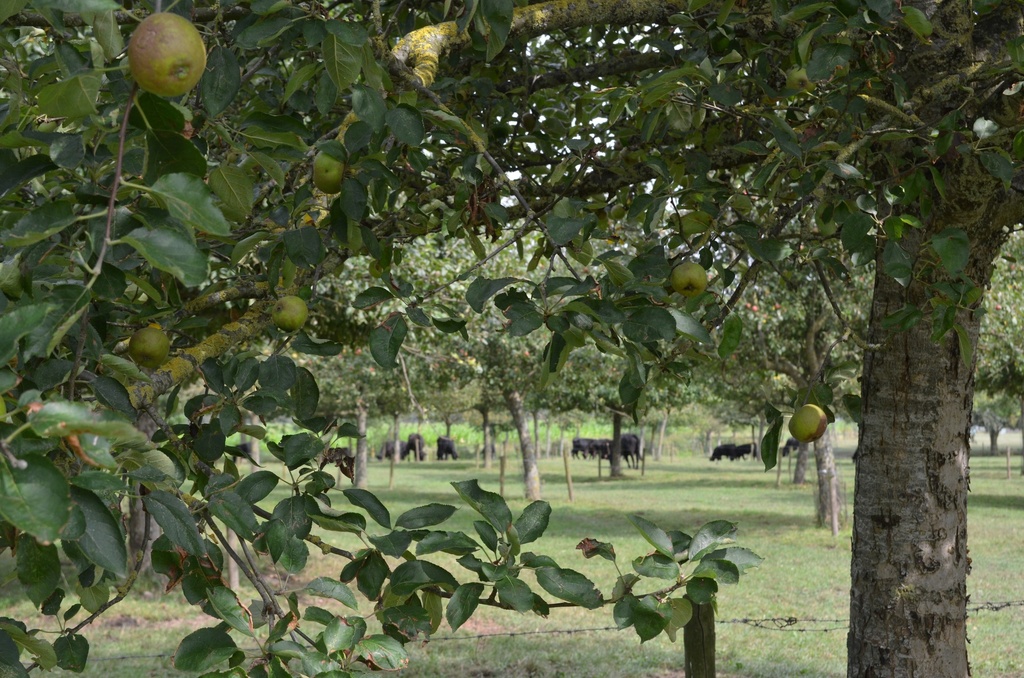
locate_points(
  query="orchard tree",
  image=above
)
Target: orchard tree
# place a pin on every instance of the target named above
(605, 142)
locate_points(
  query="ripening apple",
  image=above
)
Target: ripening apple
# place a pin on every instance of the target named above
(166, 54)
(689, 279)
(289, 313)
(328, 173)
(797, 80)
(149, 347)
(808, 423)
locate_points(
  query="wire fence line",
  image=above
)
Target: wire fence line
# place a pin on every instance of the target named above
(789, 624)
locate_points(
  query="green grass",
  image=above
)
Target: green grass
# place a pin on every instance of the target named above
(805, 575)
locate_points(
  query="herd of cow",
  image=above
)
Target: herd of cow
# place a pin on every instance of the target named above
(601, 448)
(733, 452)
(416, 444)
(585, 448)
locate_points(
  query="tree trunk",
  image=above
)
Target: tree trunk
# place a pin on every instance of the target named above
(615, 456)
(661, 437)
(360, 474)
(395, 455)
(909, 564)
(488, 437)
(547, 436)
(993, 439)
(699, 642)
(828, 493)
(531, 474)
(536, 431)
(142, 528)
(800, 472)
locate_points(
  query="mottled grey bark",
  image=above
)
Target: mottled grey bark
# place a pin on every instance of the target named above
(531, 474)
(800, 470)
(360, 475)
(615, 462)
(909, 566)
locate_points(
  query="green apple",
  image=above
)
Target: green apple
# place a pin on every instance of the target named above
(797, 80)
(528, 121)
(149, 347)
(289, 313)
(166, 54)
(808, 423)
(328, 173)
(617, 212)
(689, 279)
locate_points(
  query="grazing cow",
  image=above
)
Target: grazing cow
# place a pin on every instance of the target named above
(743, 450)
(446, 448)
(601, 447)
(726, 450)
(582, 447)
(630, 445)
(415, 444)
(387, 450)
(792, 445)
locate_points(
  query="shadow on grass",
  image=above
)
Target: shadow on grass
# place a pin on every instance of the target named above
(997, 501)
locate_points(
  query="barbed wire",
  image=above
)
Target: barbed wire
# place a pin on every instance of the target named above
(788, 624)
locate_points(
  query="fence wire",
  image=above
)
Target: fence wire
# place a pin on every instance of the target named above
(788, 624)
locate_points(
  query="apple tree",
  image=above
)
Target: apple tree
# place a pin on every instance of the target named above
(606, 143)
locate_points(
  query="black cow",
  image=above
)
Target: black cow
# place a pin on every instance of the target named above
(792, 445)
(630, 445)
(416, 444)
(726, 450)
(446, 448)
(733, 452)
(582, 447)
(387, 450)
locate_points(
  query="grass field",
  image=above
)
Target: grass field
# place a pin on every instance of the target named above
(805, 576)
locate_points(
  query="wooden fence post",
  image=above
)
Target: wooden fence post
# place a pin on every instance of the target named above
(699, 642)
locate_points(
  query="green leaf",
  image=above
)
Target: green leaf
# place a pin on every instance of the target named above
(688, 325)
(175, 520)
(710, 536)
(189, 200)
(257, 486)
(654, 535)
(171, 251)
(657, 565)
(170, 152)
(998, 165)
(463, 604)
(201, 650)
(732, 333)
(701, 589)
(406, 123)
(77, 6)
(564, 229)
(59, 418)
(533, 521)
(234, 186)
(570, 586)
(102, 543)
(393, 544)
(650, 324)
(340, 635)
(482, 289)
(39, 224)
(331, 588)
(648, 618)
(917, 21)
(36, 498)
(72, 652)
(425, 516)
(498, 15)
(514, 593)
(372, 296)
(413, 575)
(386, 340)
(368, 104)
(488, 504)
(369, 503)
(305, 394)
(38, 568)
(72, 98)
(954, 248)
(223, 603)
(342, 61)
(827, 58)
(304, 246)
(112, 393)
(221, 81)
(382, 653)
(770, 441)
